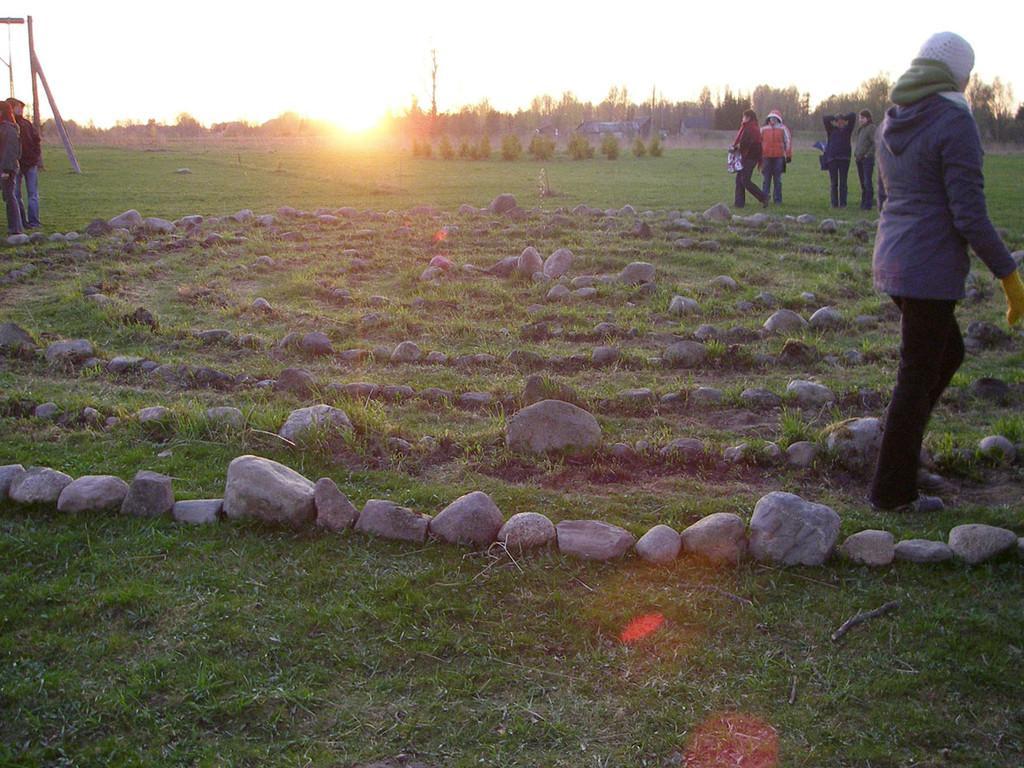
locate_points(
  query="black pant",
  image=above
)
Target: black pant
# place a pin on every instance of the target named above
(865, 173)
(931, 351)
(743, 182)
(838, 171)
(11, 203)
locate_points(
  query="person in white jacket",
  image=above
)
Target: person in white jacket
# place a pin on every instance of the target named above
(776, 152)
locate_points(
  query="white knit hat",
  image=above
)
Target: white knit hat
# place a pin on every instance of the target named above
(953, 51)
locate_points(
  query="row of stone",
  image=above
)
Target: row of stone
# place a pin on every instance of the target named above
(784, 529)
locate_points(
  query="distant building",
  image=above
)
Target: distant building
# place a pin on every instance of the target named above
(696, 123)
(624, 128)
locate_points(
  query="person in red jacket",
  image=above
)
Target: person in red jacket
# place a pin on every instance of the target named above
(748, 144)
(776, 151)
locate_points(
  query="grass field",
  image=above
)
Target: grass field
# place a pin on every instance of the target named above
(144, 642)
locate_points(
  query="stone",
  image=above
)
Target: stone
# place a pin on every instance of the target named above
(158, 226)
(558, 264)
(593, 539)
(125, 364)
(923, 551)
(784, 321)
(391, 521)
(503, 203)
(197, 511)
(703, 396)
(685, 448)
(585, 293)
(636, 273)
(558, 293)
(297, 381)
(871, 547)
(720, 538)
(826, 318)
(997, 448)
(472, 519)
(316, 343)
(636, 396)
(527, 530)
(856, 442)
(37, 485)
(975, 543)
(153, 415)
(46, 411)
(601, 356)
(406, 352)
(684, 354)
(8, 474)
(261, 305)
(990, 388)
(225, 416)
(622, 452)
(74, 351)
(788, 530)
(723, 283)
(802, 454)
(660, 545)
(15, 340)
(431, 273)
(718, 212)
(809, 394)
(150, 494)
(265, 490)
(754, 397)
(436, 358)
(552, 425)
(334, 511)
(766, 300)
(681, 305)
(828, 226)
(127, 220)
(304, 423)
(529, 261)
(475, 400)
(93, 493)
(987, 334)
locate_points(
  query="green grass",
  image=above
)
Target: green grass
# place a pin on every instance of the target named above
(128, 642)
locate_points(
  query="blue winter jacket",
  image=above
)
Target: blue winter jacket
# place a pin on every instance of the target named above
(839, 139)
(929, 160)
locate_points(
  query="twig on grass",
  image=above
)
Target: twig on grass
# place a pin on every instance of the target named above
(799, 576)
(730, 595)
(792, 691)
(284, 440)
(588, 587)
(860, 618)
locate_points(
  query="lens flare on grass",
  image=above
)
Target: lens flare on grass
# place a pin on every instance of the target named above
(732, 739)
(641, 627)
(440, 236)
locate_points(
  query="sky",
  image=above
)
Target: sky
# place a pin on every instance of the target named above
(351, 62)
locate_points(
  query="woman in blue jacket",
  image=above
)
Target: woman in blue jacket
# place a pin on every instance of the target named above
(837, 155)
(930, 160)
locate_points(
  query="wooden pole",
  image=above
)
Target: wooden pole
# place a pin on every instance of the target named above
(35, 86)
(56, 116)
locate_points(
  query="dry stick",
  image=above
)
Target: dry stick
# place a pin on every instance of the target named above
(792, 691)
(860, 618)
(730, 595)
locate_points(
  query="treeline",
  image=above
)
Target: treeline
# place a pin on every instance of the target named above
(999, 117)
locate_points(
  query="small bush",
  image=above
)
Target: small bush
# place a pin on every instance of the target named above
(610, 147)
(465, 150)
(655, 148)
(639, 150)
(483, 150)
(511, 148)
(541, 147)
(579, 148)
(445, 149)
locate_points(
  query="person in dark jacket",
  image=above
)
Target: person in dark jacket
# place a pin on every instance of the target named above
(30, 162)
(864, 156)
(930, 159)
(748, 144)
(10, 150)
(837, 155)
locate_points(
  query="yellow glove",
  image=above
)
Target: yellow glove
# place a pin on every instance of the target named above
(1014, 289)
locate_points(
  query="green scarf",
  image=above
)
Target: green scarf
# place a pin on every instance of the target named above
(925, 77)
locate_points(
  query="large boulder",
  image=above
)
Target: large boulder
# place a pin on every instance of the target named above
(38, 485)
(198, 511)
(334, 511)
(406, 352)
(718, 212)
(660, 545)
(685, 354)
(265, 490)
(306, 422)
(15, 340)
(391, 521)
(530, 261)
(785, 321)
(74, 351)
(636, 273)
(503, 203)
(593, 539)
(127, 220)
(150, 494)
(720, 538)
(923, 551)
(8, 474)
(527, 530)
(552, 425)
(809, 394)
(93, 493)
(788, 530)
(558, 263)
(856, 442)
(870, 547)
(975, 543)
(298, 381)
(471, 519)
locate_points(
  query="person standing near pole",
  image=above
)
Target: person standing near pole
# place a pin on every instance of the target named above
(930, 160)
(10, 150)
(864, 156)
(31, 161)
